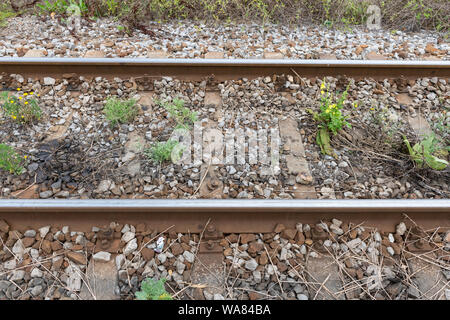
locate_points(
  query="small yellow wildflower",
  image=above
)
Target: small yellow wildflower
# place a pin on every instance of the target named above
(322, 92)
(38, 95)
(355, 105)
(20, 98)
(25, 94)
(12, 101)
(333, 106)
(26, 102)
(372, 109)
(322, 86)
(31, 93)
(18, 89)
(25, 157)
(14, 117)
(327, 111)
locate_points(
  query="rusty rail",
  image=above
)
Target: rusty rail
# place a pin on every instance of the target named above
(223, 69)
(228, 216)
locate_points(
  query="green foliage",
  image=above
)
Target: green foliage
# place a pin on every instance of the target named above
(162, 151)
(10, 160)
(23, 109)
(5, 13)
(182, 115)
(426, 152)
(153, 290)
(118, 111)
(62, 6)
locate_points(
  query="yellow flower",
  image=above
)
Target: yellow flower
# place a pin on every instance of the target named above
(12, 101)
(322, 86)
(26, 102)
(25, 157)
(38, 95)
(327, 111)
(18, 89)
(356, 105)
(372, 108)
(31, 93)
(322, 92)
(23, 117)
(20, 98)
(14, 117)
(25, 94)
(333, 106)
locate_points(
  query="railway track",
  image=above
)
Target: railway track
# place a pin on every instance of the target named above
(212, 225)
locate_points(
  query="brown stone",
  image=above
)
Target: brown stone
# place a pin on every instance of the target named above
(396, 248)
(4, 227)
(176, 249)
(140, 228)
(27, 242)
(375, 56)
(232, 238)
(214, 55)
(56, 246)
(351, 272)
(255, 295)
(29, 193)
(76, 257)
(273, 55)
(147, 254)
(228, 252)
(282, 267)
(46, 246)
(288, 234)
(57, 264)
(430, 48)
(223, 243)
(255, 247)
(300, 238)
(263, 259)
(158, 54)
(94, 54)
(353, 234)
(247, 237)
(308, 242)
(35, 53)
(279, 227)
(359, 274)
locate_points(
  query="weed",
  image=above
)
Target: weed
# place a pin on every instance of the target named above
(153, 290)
(118, 111)
(162, 151)
(23, 109)
(182, 115)
(10, 160)
(426, 152)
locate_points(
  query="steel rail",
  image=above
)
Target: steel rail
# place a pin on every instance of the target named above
(228, 215)
(222, 69)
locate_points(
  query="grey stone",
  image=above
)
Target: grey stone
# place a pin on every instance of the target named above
(189, 256)
(127, 236)
(17, 275)
(102, 256)
(36, 273)
(36, 291)
(46, 194)
(30, 233)
(130, 247)
(251, 265)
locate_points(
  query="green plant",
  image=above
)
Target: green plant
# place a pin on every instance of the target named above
(62, 6)
(118, 111)
(182, 115)
(330, 118)
(426, 153)
(23, 109)
(5, 13)
(162, 151)
(10, 160)
(153, 290)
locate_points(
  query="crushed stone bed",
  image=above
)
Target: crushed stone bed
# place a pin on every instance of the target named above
(73, 152)
(330, 260)
(30, 36)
